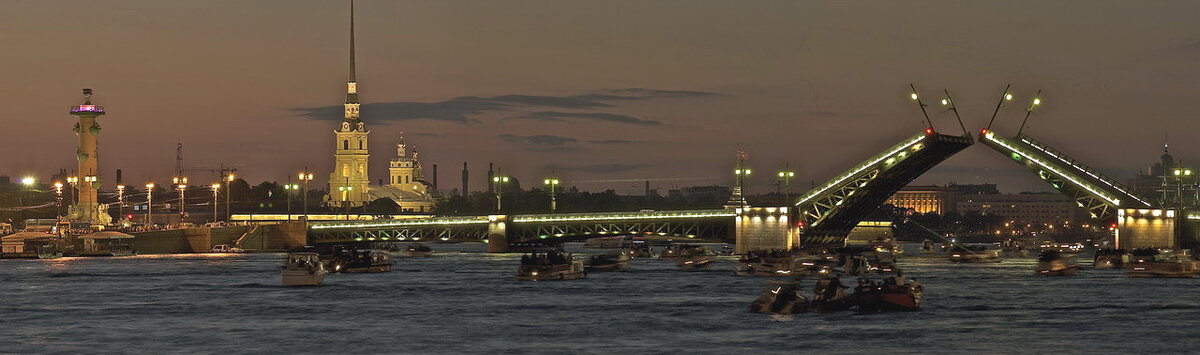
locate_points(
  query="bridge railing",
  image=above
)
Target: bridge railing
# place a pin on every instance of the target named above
(620, 216)
(1082, 168)
(860, 169)
(434, 221)
(1021, 152)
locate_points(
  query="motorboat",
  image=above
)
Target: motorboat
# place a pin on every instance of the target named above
(893, 294)
(609, 261)
(829, 294)
(678, 251)
(303, 269)
(1162, 264)
(974, 254)
(418, 250)
(1109, 258)
(551, 265)
(226, 249)
(359, 261)
(766, 263)
(1052, 262)
(781, 298)
(698, 262)
(639, 250)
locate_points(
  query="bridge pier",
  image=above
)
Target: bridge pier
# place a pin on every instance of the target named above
(764, 228)
(497, 234)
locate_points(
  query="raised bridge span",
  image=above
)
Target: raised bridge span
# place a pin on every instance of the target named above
(821, 217)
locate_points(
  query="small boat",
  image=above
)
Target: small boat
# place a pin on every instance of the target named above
(781, 298)
(766, 263)
(698, 262)
(1109, 258)
(303, 269)
(1052, 262)
(610, 261)
(974, 254)
(639, 250)
(418, 250)
(226, 249)
(551, 265)
(927, 247)
(893, 294)
(829, 294)
(1157, 263)
(359, 261)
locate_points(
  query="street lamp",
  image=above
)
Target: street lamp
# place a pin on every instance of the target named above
(228, 196)
(345, 190)
(74, 181)
(305, 176)
(58, 186)
(181, 185)
(121, 201)
(553, 184)
(28, 182)
(786, 178)
(149, 204)
(499, 180)
(216, 186)
(288, 197)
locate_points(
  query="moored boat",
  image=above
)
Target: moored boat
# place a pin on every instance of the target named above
(303, 269)
(551, 265)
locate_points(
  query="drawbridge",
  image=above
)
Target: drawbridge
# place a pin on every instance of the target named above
(826, 214)
(1100, 195)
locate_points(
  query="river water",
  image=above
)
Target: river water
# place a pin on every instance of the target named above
(464, 300)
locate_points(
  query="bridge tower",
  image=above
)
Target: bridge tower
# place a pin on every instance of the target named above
(88, 208)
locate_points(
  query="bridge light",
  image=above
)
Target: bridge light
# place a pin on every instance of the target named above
(929, 130)
(913, 96)
(1037, 101)
(945, 102)
(983, 131)
(1008, 96)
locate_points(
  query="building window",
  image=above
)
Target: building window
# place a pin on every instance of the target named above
(346, 145)
(360, 144)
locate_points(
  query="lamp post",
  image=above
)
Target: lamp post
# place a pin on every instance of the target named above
(216, 186)
(553, 184)
(58, 186)
(345, 190)
(1180, 176)
(149, 204)
(121, 201)
(28, 182)
(499, 181)
(228, 196)
(305, 176)
(74, 181)
(786, 178)
(181, 185)
(287, 196)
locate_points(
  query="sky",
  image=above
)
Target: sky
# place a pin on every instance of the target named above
(594, 91)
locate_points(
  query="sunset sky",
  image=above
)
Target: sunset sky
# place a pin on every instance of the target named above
(594, 90)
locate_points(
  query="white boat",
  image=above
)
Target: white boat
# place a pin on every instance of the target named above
(695, 263)
(552, 265)
(303, 269)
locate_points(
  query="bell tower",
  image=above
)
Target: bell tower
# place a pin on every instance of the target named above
(349, 179)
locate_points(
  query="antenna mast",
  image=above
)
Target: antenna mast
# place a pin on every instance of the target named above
(917, 98)
(1037, 100)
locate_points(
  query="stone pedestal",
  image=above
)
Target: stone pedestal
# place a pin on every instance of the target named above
(764, 228)
(497, 234)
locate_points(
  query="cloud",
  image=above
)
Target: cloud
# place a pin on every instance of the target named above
(614, 141)
(541, 142)
(643, 92)
(605, 168)
(598, 116)
(463, 109)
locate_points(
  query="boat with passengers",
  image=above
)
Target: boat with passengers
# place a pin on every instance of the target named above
(1052, 262)
(550, 265)
(618, 260)
(359, 261)
(1149, 262)
(303, 268)
(766, 262)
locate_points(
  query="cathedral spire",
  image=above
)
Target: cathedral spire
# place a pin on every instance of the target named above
(351, 41)
(351, 83)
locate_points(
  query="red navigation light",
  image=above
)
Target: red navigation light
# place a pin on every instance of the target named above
(800, 224)
(983, 131)
(929, 130)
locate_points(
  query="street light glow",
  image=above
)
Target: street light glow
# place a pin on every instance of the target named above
(1008, 97)
(913, 96)
(27, 181)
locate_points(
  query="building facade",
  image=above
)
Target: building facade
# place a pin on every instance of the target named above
(1037, 209)
(406, 185)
